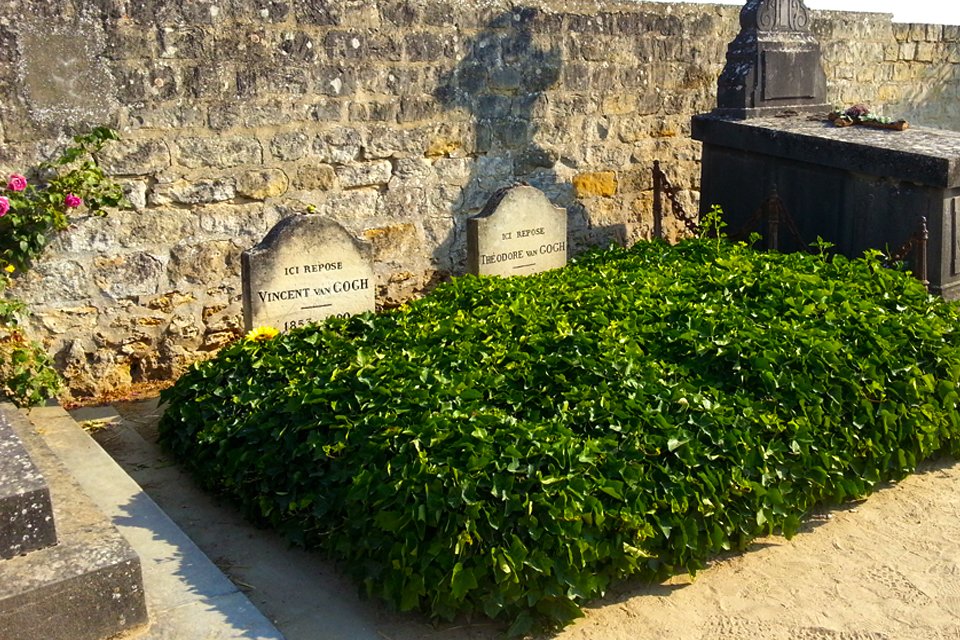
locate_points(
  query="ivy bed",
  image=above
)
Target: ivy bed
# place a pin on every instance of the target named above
(511, 447)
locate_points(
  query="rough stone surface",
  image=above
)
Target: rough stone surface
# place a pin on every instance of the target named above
(602, 183)
(380, 115)
(260, 184)
(306, 269)
(26, 515)
(518, 233)
(87, 587)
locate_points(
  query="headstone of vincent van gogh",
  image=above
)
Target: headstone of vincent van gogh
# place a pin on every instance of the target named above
(306, 269)
(519, 232)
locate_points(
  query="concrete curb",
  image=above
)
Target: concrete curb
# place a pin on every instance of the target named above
(187, 595)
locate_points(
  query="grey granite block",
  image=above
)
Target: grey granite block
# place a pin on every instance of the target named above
(26, 515)
(87, 587)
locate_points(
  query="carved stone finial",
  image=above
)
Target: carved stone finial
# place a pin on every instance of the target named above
(782, 15)
(773, 64)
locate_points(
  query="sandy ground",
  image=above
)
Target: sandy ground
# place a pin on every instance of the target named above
(884, 568)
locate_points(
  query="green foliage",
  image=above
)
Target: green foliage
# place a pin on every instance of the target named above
(31, 209)
(41, 207)
(27, 376)
(511, 447)
(712, 224)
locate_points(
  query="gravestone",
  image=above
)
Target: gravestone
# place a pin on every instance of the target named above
(773, 64)
(519, 232)
(306, 268)
(74, 579)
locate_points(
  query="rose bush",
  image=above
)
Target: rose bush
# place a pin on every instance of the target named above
(30, 210)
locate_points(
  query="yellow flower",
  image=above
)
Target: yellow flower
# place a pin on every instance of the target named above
(262, 333)
(9, 268)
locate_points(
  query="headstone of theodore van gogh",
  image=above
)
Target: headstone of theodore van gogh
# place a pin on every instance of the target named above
(519, 232)
(305, 269)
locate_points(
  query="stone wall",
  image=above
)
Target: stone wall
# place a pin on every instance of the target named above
(907, 71)
(396, 118)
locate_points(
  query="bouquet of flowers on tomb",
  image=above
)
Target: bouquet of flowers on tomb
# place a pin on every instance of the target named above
(860, 114)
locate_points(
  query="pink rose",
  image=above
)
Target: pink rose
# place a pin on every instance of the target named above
(16, 182)
(857, 111)
(4, 206)
(72, 201)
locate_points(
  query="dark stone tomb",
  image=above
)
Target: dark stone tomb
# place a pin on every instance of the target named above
(856, 187)
(773, 64)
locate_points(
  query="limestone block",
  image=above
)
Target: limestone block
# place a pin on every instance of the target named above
(290, 146)
(193, 192)
(908, 51)
(153, 226)
(233, 220)
(221, 152)
(600, 183)
(345, 45)
(619, 104)
(214, 339)
(442, 147)
(417, 109)
(167, 301)
(605, 155)
(533, 159)
(87, 234)
(352, 206)
(337, 146)
(67, 320)
(203, 263)
(260, 184)
(953, 55)
(390, 142)
(384, 47)
(150, 116)
(183, 41)
(636, 178)
(454, 171)
(315, 177)
(364, 174)
(135, 157)
(392, 241)
(295, 47)
(333, 80)
(401, 199)
(372, 111)
(135, 191)
(927, 52)
(125, 275)
(52, 282)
